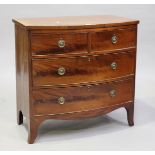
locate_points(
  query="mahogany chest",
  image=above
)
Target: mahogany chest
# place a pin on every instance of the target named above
(74, 68)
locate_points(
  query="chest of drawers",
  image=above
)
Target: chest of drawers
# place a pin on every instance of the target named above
(74, 68)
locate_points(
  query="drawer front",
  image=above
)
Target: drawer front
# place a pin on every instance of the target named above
(82, 69)
(46, 44)
(113, 39)
(73, 99)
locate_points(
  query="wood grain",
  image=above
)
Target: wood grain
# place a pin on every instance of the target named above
(102, 40)
(82, 69)
(82, 42)
(85, 114)
(86, 57)
(48, 44)
(81, 98)
(22, 73)
(23, 82)
(74, 22)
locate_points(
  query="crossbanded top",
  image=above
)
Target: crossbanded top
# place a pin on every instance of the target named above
(74, 22)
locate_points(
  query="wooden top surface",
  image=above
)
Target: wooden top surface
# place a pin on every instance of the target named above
(71, 22)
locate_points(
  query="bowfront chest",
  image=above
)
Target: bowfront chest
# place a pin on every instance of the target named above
(74, 68)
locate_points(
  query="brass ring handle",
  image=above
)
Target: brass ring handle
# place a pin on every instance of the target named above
(61, 100)
(114, 39)
(112, 93)
(114, 65)
(61, 71)
(61, 43)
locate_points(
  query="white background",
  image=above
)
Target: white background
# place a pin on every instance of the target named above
(109, 132)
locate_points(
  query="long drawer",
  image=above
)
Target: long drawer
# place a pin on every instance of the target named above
(84, 69)
(56, 100)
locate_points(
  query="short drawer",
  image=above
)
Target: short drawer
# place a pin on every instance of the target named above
(74, 70)
(113, 39)
(55, 43)
(74, 99)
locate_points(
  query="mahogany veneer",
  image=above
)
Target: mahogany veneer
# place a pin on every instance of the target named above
(74, 68)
